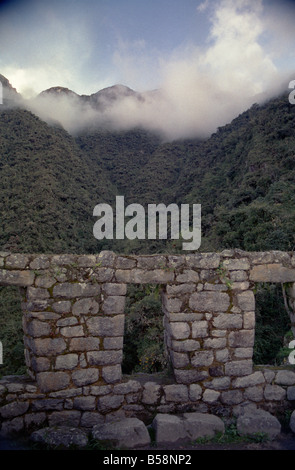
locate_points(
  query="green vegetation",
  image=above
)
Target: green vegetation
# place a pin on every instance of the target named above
(272, 325)
(231, 436)
(144, 334)
(11, 332)
(243, 176)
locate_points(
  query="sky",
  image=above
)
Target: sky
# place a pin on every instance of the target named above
(211, 58)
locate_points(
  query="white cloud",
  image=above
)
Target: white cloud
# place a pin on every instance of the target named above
(202, 88)
(203, 6)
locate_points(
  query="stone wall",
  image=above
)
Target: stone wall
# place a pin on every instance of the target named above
(73, 322)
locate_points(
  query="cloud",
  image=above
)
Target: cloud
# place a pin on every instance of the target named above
(203, 6)
(202, 87)
(41, 47)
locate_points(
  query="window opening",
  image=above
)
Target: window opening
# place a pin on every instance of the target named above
(11, 332)
(273, 325)
(144, 346)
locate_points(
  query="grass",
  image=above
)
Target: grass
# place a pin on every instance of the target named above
(231, 436)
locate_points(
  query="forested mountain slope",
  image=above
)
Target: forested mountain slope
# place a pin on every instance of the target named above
(48, 188)
(243, 176)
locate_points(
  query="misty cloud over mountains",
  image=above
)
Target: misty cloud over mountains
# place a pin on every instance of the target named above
(174, 114)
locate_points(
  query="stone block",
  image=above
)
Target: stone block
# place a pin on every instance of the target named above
(238, 276)
(210, 396)
(275, 272)
(203, 260)
(179, 360)
(254, 393)
(112, 374)
(214, 343)
(52, 381)
(45, 281)
(258, 421)
(107, 404)
(140, 276)
(68, 418)
(40, 364)
(90, 419)
(199, 329)
(113, 343)
(169, 429)
(189, 376)
(180, 290)
(176, 393)
(67, 321)
(61, 437)
(238, 368)
(66, 361)
(48, 346)
(16, 278)
(228, 320)
(123, 262)
(274, 393)
(257, 378)
(179, 330)
(131, 386)
(84, 344)
(231, 397)
(12, 427)
(151, 393)
(37, 328)
(222, 355)
(246, 301)
(100, 358)
(187, 345)
(241, 339)
(188, 275)
(186, 428)
(114, 289)
(106, 326)
(291, 393)
(48, 404)
(285, 377)
(62, 306)
(16, 408)
(218, 383)
(114, 304)
(243, 353)
(76, 289)
(249, 320)
(88, 306)
(40, 262)
(84, 403)
(106, 258)
(195, 392)
(236, 264)
(127, 433)
(172, 304)
(17, 260)
(202, 358)
(151, 262)
(209, 301)
(85, 376)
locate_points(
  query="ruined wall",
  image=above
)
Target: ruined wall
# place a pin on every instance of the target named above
(73, 322)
